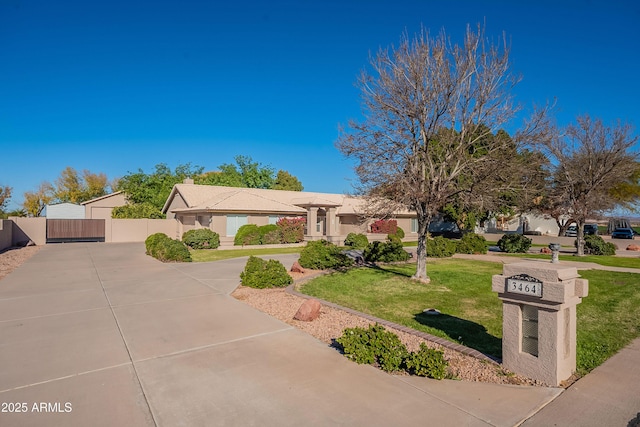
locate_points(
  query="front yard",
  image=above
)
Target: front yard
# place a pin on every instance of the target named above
(472, 313)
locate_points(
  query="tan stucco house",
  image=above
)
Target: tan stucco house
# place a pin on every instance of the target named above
(225, 209)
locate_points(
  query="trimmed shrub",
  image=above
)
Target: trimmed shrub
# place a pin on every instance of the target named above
(374, 345)
(165, 249)
(269, 234)
(440, 247)
(202, 238)
(427, 362)
(262, 274)
(272, 238)
(513, 243)
(397, 236)
(385, 226)
(291, 229)
(153, 241)
(472, 243)
(595, 245)
(248, 234)
(321, 255)
(377, 346)
(356, 241)
(385, 252)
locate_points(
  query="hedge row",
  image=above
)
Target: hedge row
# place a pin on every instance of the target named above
(286, 230)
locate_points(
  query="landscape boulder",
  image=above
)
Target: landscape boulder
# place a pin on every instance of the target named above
(297, 268)
(545, 251)
(633, 248)
(308, 311)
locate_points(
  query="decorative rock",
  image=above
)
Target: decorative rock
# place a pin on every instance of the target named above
(633, 248)
(297, 268)
(545, 251)
(308, 311)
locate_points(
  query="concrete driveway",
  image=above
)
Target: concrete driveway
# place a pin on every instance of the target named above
(101, 334)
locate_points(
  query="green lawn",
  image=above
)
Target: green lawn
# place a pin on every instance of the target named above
(472, 313)
(204, 255)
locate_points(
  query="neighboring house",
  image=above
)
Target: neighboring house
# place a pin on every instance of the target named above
(64, 211)
(225, 209)
(529, 223)
(101, 207)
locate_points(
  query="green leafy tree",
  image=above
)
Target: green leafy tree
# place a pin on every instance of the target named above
(68, 186)
(153, 189)
(245, 173)
(286, 181)
(137, 210)
(75, 188)
(35, 201)
(430, 107)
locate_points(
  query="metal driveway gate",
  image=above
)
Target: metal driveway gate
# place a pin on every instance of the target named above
(75, 230)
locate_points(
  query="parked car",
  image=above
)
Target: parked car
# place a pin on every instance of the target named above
(572, 231)
(590, 229)
(623, 233)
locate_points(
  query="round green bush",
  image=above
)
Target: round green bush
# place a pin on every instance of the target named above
(595, 245)
(165, 249)
(472, 243)
(397, 236)
(427, 362)
(153, 242)
(202, 238)
(385, 252)
(374, 345)
(440, 247)
(321, 255)
(269, 234)
(262, 274)
(356, 240)
(513, 243)
(248, 234)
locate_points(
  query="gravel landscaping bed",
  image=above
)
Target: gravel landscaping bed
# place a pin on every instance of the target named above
(329, 326)
(12, 258)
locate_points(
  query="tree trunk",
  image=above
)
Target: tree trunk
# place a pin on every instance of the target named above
(421, 253)
(580, 238)
(563, 226)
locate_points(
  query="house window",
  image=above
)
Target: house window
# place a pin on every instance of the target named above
(414, 225)
(204, 221)
(273, 219)
(234, 222)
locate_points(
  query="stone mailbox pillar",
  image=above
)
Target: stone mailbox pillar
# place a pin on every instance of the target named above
(539, 319)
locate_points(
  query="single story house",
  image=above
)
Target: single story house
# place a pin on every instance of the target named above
(225, 209)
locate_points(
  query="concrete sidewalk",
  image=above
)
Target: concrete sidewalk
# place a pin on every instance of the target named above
(101, 334)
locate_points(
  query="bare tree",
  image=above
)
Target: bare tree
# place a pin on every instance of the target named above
(594, 170)
(429, 107)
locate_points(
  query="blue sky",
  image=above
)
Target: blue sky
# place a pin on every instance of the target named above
(114, 86)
